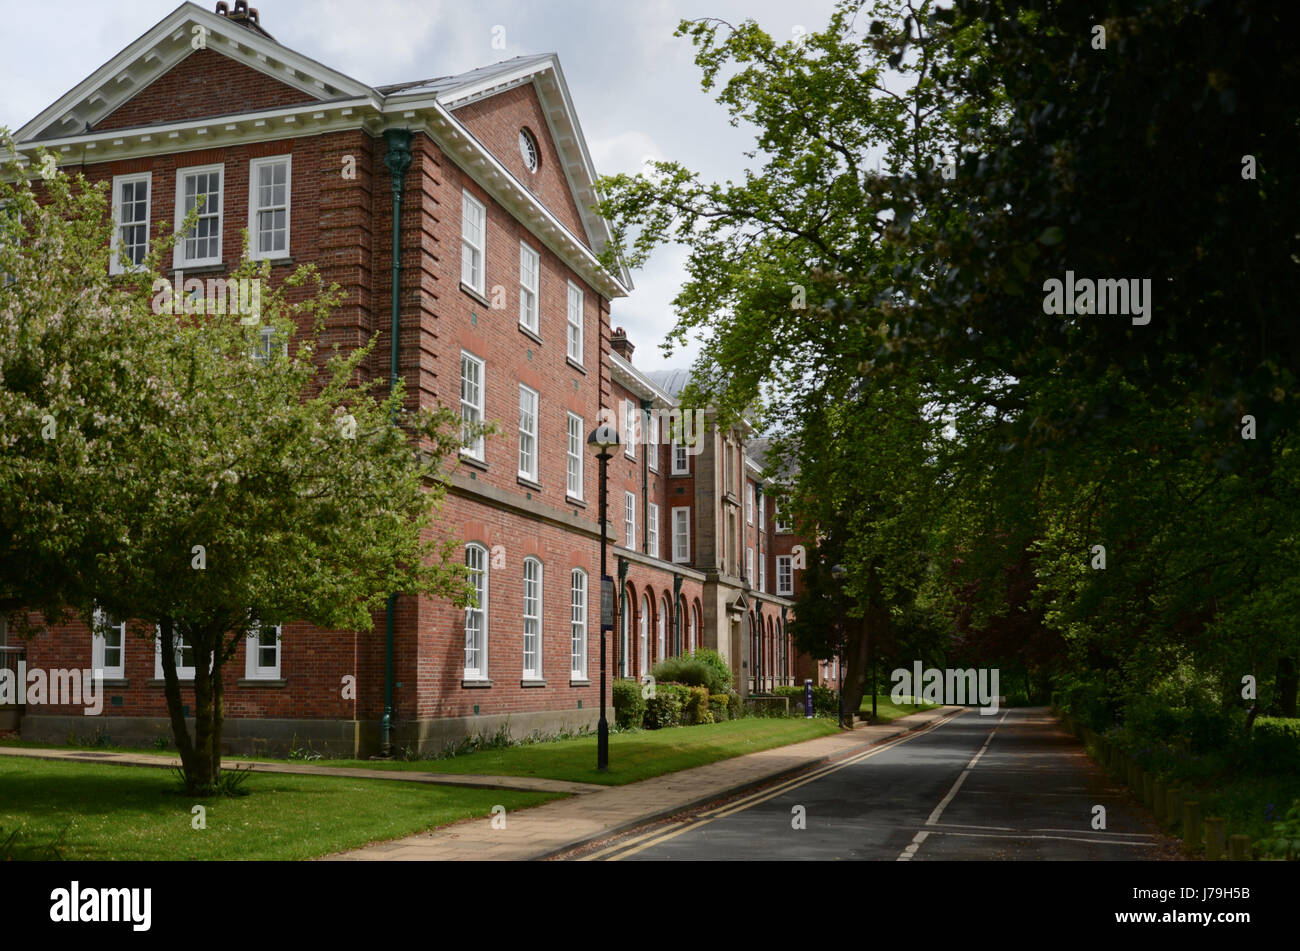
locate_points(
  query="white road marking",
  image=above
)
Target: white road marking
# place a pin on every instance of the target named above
(998, 835)
(915, 844)
(1095, 832)
(639, 843)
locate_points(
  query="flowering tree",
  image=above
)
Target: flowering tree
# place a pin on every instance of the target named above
(211, 474)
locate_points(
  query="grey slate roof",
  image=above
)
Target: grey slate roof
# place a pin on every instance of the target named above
(443, 84)
(670, 381)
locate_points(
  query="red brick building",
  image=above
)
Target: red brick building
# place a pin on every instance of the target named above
(504, 309)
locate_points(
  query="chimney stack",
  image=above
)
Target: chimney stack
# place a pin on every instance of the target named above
(619, 343)
(244, 15)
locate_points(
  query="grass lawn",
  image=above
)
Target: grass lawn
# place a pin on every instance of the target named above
(632, 756)
(887, 712)
(130, 812)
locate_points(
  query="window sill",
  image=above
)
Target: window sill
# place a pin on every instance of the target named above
(475, 294)
(529, 483)
(113, 682)
(530, 333)
(579, 683)
(576, 365)
(475, 684)
(209, 267)
(262, 682)
(572, 500)
(276, 260)
(474, 461)
(160, 682)
(532, 683)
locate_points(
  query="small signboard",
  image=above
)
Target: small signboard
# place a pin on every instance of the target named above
(607, 603)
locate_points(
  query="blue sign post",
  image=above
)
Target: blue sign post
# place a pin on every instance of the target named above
(807, 700)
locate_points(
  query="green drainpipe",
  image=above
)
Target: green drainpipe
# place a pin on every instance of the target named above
(398, 160)
(645, 479)
(622, 589)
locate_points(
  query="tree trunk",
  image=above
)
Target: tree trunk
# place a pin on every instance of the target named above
(1288, 680)
(218, 712)
(857, 667)
(172, 691)
(204, 776)
(874, 629)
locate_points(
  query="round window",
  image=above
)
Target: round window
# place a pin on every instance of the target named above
(528, 149)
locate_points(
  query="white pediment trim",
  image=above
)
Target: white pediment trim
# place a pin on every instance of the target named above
(163, 48)
(547, 78)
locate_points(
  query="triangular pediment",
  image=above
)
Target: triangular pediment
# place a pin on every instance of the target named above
(188, 37)
(540, 76)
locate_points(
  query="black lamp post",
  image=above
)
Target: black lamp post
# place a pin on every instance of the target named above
(601, 440)
(838, 573)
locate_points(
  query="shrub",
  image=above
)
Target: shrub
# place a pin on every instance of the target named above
(1275, 744)
(696, 708)
(735, 708)
(767, 706)
(690, 671)
(722, 681)
(1283, 841)
(825, 702)
(664, 709)
(629, 705)
(718, 706)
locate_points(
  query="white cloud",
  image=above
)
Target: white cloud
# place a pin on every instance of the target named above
(625, 152)
(635, 85)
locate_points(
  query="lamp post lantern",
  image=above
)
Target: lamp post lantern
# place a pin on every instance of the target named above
(839, 573)
(601, 440)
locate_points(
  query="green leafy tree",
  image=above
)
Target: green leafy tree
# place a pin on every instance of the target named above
(211, 474)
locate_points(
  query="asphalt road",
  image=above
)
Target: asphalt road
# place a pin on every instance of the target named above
(1013, 785)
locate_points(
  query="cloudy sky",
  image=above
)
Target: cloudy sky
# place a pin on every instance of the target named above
(635, 85)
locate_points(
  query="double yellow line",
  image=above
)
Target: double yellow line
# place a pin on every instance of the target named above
(655, 837)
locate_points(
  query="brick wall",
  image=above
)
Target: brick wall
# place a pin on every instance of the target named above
(496, 122)
(205, 83)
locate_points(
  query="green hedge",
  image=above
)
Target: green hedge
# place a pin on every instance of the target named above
(695, 709)
(735, 706)
(719, 705)
(629, 705)
(664, 709)
(1275, 744)
(721, 669)
(690, 671)
(825, 701)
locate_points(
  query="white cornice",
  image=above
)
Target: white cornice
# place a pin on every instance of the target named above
(162, 48)
(630, 378)
(547, 79)
(460, 145)
(341, 103)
